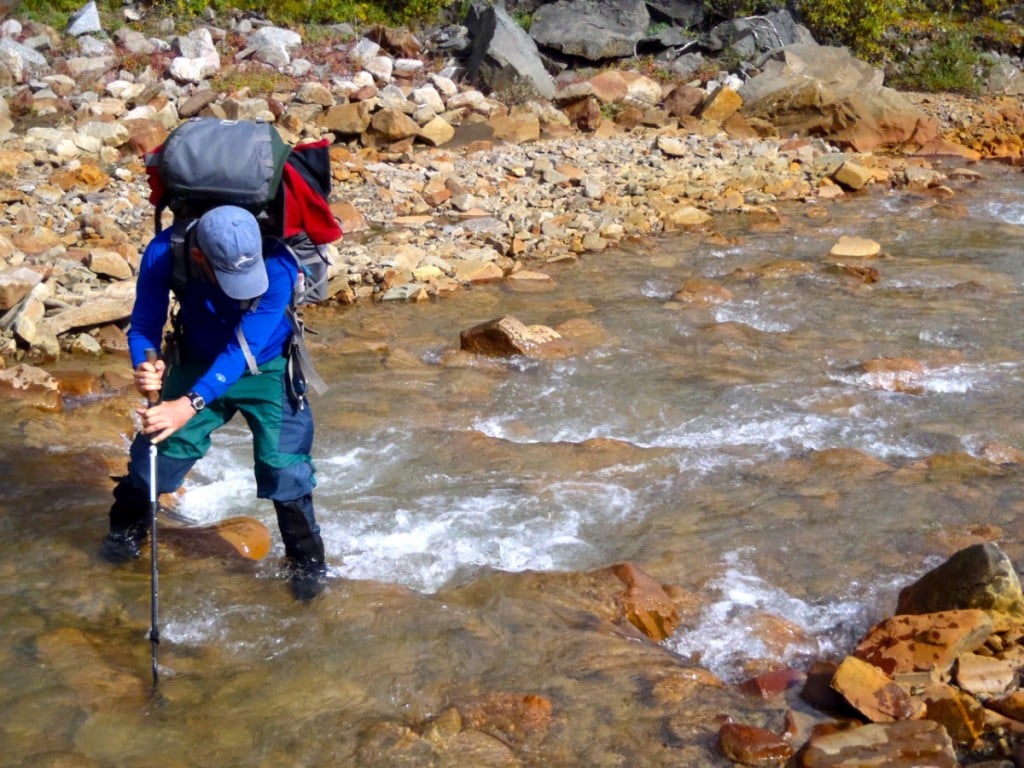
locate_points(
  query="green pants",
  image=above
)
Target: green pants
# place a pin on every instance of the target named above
(282, 430)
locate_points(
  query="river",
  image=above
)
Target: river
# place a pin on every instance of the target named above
(744, 450)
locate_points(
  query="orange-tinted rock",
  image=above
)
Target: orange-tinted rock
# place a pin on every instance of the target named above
(750, 745)
(514, 718)
(980, 675)
(904, 744)
(960, 714)
(507, 336)
(770, 684)
(702, 292)
(76, 658)
(873, 693)
(79, 383)
(1011, 705)
(33, 386)
(907, 643)
(646, 603)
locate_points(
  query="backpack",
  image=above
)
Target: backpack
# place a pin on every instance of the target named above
(206, 162)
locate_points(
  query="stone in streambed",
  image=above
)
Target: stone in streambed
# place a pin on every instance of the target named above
(33, 386)
(980, 576)
(507, 336)
(903, 744)
(750, 745)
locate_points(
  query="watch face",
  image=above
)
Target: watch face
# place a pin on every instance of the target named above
(198, 403)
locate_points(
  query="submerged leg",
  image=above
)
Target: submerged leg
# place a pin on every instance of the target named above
(303, 546)
(129, 523)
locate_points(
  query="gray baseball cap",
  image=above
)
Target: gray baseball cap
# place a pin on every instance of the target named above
(230, 239)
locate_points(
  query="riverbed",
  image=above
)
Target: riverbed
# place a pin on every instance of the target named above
(789, 448)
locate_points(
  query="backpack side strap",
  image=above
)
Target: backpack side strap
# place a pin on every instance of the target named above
(299, 357)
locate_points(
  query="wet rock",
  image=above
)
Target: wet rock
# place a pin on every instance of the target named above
(854, 247)
(750, 745)
(980, 576)
(471, 747)
(100, 685)
(393, 744)
(908, 643)
(1011, 705)
(904, 744)
(32, 386)
(873, 693)
(894, 374)
(985, 676)
(646, 604)
(960, 714)
(770, 684)
(507, 336)
(516, 719)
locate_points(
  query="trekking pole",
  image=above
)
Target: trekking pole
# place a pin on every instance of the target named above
(154, 508)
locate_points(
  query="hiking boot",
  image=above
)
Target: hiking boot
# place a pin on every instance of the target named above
(308, 581)
(122, 546)
(303, 547)
(129, 515)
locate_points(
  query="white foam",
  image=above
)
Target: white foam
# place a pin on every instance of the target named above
(722, 640)
(427, 544)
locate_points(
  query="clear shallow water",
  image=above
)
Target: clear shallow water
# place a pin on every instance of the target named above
(737, 450)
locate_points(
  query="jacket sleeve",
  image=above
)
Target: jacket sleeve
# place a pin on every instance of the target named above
(152, 298)
(263, 327)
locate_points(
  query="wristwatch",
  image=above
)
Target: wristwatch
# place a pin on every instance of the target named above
(196, 401)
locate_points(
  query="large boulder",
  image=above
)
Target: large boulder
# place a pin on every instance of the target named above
(591, 29)
(814, 90)
(502, 54)
(752, 35)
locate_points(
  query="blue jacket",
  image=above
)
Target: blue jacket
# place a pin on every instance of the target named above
(209, 318)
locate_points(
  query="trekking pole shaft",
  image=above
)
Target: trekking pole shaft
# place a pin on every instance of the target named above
(154, 507)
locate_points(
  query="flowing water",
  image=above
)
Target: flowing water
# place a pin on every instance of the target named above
(740, 450)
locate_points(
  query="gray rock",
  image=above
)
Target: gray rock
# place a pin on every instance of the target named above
(273, 45)
(753, 35)
(682, 13)
(85, 20)
(592, 29)
(503, 54)
(21, 60)
(1004, 77)
(199, 58)
(834, 68)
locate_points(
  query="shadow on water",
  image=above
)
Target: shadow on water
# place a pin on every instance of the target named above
(787, 449)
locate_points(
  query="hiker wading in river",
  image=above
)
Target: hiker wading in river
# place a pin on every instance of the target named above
(233, 317)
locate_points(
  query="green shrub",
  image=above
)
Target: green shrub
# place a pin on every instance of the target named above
(859, 24)
(948, 64)
(56, 13)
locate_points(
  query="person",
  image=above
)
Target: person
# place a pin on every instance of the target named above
(235, 310)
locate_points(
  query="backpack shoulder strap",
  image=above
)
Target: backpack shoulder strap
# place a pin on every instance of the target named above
(181, 261)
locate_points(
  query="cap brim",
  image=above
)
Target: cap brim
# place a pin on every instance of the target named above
(244, 286)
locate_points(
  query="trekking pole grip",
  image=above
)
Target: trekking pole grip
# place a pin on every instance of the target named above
(151, 357)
